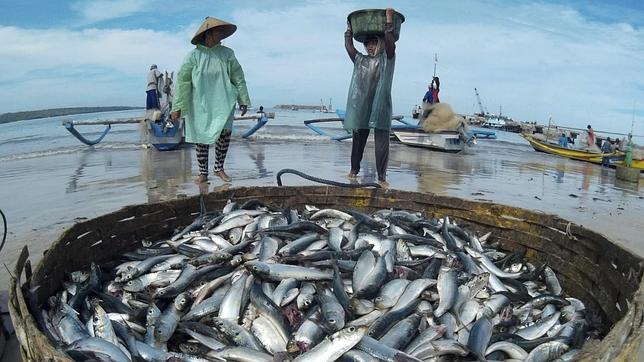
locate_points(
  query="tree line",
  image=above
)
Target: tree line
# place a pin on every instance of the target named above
(54, 112)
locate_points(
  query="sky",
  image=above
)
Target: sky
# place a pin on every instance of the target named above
(572, 61)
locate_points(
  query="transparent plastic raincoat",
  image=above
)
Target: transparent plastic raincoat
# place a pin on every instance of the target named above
(369, 100)
(209, 83)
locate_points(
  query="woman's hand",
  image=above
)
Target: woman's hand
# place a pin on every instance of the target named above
(349, 32)
(243, 109)
(389, 15)
(175, 116)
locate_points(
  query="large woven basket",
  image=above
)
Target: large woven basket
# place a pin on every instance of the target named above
(607, 278)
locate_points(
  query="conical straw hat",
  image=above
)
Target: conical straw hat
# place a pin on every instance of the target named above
(227, 28)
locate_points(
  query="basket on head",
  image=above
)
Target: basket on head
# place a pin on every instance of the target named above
(371, 22)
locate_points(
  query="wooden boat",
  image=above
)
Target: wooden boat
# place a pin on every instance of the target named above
(617, 158)
(447, 141)
(605, 276)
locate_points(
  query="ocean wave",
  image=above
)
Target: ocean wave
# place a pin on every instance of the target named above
(290, 137)
(17, 140)
(69, 150)
(498, 142)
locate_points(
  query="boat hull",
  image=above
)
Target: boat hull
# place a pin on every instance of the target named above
(444, 141)
(616, 157)
(165, 139)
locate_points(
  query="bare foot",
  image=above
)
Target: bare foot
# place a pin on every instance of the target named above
(201, 179)
(384, 184)
(352, 175)
(222, 175)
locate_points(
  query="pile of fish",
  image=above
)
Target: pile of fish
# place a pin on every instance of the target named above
(253, 283)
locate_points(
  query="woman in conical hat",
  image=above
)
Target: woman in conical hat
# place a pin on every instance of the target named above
(209, 84)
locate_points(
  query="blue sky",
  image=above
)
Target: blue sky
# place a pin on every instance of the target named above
(576, 62)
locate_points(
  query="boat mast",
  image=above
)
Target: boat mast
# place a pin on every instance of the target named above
(435, 61)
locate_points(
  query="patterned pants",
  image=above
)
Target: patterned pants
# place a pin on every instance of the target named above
(221, 149)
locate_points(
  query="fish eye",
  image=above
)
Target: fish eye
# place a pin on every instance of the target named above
(351, 329)
(331, 321)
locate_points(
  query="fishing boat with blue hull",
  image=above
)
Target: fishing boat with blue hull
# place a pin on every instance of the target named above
(161, 134)
(481, 134)
(165, 138)
(311, 124)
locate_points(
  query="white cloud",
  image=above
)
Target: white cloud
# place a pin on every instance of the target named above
(99, 10)
(536, 60)
(67, 67)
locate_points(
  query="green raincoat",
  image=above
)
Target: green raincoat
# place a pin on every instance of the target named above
(209, 83)
(369, 100)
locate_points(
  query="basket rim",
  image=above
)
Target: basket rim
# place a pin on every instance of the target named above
(402, 20)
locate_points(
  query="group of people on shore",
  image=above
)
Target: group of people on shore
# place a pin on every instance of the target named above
(210, 83)
(608, 145)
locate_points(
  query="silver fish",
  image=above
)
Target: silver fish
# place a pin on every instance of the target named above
(335, 346)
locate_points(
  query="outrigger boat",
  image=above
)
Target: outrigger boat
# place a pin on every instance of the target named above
(411, 133)
(160, 134)
(447, 141)
(616, 158)
(311, 124)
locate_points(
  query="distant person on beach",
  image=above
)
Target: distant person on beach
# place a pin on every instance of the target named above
(590, 136)
(208, 85)
(429, 98)
(436, 85)
(563, 141)
(369, 101)
(168, 88)
(152, 90)
(628, 151)
(606, 148)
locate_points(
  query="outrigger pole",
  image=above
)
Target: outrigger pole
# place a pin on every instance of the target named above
(69, 125)
(262, 119)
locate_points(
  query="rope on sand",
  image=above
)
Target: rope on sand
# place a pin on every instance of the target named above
(323, 181)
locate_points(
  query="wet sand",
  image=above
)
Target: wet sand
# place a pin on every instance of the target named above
(43, 196)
